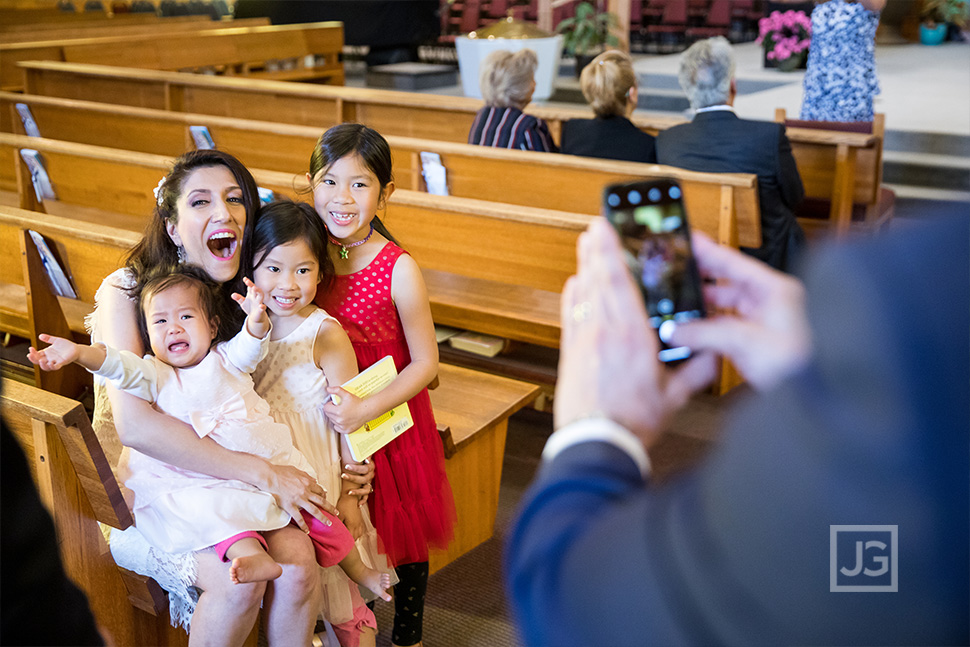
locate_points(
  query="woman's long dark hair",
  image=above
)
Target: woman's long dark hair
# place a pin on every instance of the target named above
(156, 248)
(283, 222)
(356, 139)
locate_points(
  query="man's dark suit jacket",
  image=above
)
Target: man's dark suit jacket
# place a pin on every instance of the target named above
(614, 138)
(874, 431)
(720, 142)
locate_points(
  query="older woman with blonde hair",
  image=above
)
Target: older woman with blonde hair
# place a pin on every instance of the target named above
(507, 82)
(610, 87)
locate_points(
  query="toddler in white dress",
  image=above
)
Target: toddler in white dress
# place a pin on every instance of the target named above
(208, 387)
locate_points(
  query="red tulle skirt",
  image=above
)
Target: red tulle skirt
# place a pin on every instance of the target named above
(412, 506)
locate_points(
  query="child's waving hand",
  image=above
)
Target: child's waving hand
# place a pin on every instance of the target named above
(257, 322)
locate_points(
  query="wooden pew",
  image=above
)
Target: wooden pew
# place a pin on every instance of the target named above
(114, 28)
(78, 489)
(474, 408)
(28, 307)
(842, 174)
(390, 112)
(476, 280)
(718, 203)
(82, 175)
(434, 117)
(48, 15)
(471, 408)
(491, 267)
(248, 51)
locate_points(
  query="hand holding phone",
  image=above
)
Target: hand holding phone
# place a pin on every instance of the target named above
(650, 218)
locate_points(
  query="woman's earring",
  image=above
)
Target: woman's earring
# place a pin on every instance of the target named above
(181, 255)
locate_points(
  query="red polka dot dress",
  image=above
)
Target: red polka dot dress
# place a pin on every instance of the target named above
(412, 505)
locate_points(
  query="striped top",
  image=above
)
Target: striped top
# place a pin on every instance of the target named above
(511, 128)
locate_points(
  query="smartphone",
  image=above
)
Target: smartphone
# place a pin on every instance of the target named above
(650, 217)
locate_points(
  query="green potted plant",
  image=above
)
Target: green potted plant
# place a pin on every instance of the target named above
(587, 34)
(938, 15)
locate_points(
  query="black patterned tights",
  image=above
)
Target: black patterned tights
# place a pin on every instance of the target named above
(409, 603)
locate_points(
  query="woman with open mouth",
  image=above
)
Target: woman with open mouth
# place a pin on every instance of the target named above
(204, 208)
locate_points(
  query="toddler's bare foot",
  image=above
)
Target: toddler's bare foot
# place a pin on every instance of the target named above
(376, 581)
(254, 568)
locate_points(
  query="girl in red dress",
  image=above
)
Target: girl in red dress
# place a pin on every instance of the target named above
(380, 299)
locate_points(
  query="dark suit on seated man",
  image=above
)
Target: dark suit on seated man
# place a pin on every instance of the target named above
(861, 420)
(717, 141)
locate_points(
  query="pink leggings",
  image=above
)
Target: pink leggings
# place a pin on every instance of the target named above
(331, 540)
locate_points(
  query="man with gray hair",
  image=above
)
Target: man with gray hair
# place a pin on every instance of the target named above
(717, 141)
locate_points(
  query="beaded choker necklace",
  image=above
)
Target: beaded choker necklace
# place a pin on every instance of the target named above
(345, 249)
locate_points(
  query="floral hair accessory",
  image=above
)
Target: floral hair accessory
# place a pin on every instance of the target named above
(159, 196)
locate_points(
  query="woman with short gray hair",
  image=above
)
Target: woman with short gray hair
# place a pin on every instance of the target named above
(507, 83)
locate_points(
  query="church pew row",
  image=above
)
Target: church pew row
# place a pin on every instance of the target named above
(471, 407)
(112, 28)
(476, 279)
(491, 268)
(311, 51)
(840, 167)
(19, 18)
(723, 203)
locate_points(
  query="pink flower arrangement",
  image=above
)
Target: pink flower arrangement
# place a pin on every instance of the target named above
(784, 34)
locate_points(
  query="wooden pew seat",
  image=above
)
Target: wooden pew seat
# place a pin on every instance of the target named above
(475, 408)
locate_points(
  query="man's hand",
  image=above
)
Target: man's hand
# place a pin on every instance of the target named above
(763, 327)
(608, 362)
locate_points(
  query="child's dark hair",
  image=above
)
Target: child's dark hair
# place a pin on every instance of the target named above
(164, 278)
(356, 139)
(282, 222)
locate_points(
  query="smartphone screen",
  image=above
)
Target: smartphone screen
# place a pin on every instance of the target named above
(652, 223)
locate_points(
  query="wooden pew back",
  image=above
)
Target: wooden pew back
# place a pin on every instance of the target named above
(718, 203)
(500, 247)
(817, 159)
(114, 27)
(243, 50)
(827, 160)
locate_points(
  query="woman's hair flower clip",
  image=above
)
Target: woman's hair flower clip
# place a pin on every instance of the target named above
(159, 195)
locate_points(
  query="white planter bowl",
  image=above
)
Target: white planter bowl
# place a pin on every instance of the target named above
(472, 51)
